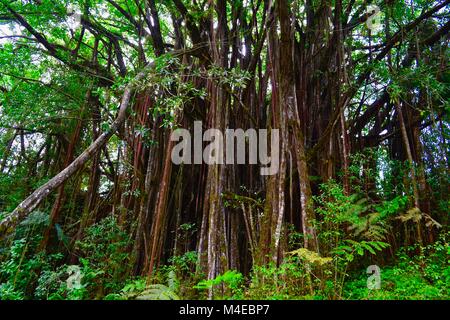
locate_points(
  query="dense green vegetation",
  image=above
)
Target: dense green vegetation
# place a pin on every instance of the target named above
(93, 207)
(415, 272)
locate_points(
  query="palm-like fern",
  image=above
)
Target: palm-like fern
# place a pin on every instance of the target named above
(157, 292)
(142, 291)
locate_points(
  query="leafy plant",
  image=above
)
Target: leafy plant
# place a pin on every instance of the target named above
(139, 289)
(104, 247)
(231, 278)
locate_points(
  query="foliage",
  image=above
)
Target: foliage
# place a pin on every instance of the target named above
(22, 268)
(231, 279)
(104, 248)
(289, 280)
(372, 193)
(139, 289)
(311, 257)
(414, 276)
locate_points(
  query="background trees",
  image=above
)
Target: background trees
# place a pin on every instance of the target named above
(91, 90)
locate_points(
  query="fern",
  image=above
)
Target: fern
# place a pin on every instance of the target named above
(139, 290)
(230, 277)
(358, 214)
(370, 227)
(351, 247)
(414, 215)
(374, 226)
(151, 292)
(157, 292)
(233, 281)
(311, 257)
